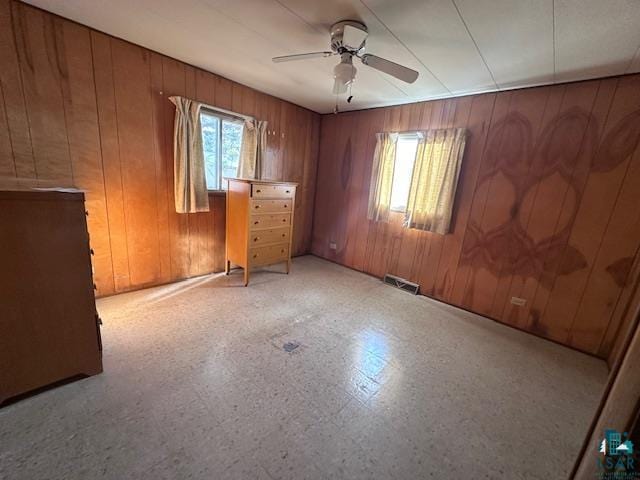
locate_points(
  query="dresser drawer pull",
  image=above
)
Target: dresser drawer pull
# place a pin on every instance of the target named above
(288, 191)
(256, 239)
(255, 255)
(285, 205)
(284, 220)
(257, 206)
(256, 222)
(284, 235)
(258, 191)
(282, 251)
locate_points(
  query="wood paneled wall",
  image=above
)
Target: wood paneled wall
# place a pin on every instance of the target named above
(547, 208)
(80, 108)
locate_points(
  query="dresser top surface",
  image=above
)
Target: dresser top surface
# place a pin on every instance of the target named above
(44, 194)
(261, 182)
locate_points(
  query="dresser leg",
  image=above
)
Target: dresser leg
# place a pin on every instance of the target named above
(288, 266)
(246, 277)
(227, 267)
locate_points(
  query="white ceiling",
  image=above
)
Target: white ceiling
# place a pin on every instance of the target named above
(458, 46)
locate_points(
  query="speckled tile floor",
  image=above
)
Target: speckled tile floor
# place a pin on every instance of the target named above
(197, 385)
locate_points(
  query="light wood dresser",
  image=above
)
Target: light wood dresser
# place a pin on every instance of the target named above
(259, 223)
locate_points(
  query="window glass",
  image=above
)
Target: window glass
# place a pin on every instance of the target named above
(210, 125)
(402, 171)
(231, 143)
(221, 142)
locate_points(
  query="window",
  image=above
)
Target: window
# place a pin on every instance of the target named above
(416, 174)
(402, 171)
(221, 142)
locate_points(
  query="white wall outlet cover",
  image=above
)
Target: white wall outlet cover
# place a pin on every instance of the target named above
(518, 301)
(333, 245)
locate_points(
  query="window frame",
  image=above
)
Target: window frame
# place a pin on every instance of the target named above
(404, 136)
(221, 117)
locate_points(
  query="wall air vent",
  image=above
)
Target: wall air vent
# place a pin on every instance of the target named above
(401, 283)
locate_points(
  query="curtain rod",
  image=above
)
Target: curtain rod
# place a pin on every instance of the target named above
(229, 113)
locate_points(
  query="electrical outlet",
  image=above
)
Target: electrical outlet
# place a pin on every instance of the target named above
(518, 301)
(333, 246)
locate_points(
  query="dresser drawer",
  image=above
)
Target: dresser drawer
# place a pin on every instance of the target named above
(270, 206)
(267, 255)
(268, 220)
(273, 235)
(272, 191)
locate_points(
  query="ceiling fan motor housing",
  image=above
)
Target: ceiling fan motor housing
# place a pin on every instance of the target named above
(341, 43)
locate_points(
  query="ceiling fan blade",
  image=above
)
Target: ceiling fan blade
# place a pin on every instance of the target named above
(301, 56)
(353, 37)
(390, 68)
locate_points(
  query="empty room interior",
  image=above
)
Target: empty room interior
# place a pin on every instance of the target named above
(349, 239)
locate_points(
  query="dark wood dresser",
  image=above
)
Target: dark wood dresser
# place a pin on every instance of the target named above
(49, 328)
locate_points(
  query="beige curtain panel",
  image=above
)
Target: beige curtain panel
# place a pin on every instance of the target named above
(254, 144)
(384, 159)
(190, 183)
(435, 178)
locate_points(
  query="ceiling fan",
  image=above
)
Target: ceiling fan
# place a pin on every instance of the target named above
(348, 38)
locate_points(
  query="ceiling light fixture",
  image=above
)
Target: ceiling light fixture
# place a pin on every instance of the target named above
(344, 74)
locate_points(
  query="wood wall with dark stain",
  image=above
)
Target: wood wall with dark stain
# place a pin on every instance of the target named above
(547, 208)
(80, 108)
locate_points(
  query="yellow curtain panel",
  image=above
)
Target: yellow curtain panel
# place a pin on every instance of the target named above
(435, 178)
(254, 144)
(384, 159)
(190, 183)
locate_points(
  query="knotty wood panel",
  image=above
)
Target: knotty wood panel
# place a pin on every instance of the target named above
(80, 108)
(546, 208)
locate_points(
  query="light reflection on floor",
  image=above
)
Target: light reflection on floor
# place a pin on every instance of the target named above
(197, 385)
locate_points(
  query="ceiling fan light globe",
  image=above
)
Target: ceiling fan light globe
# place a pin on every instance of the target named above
(344, 72)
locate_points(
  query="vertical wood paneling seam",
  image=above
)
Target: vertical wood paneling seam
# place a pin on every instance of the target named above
(602, 237)
(531, 166)
(24, 98)
(372, 225)
(6, 117)
(316, 189)
(581, 194)
(489, 188)
(536, 140)
(482, 158)
(626, 307)
(164, 164)
(104, 181)
(60, 78)
(573, 171)
(155, 164)
(314, 154)
(115, 112)
(474, 185)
